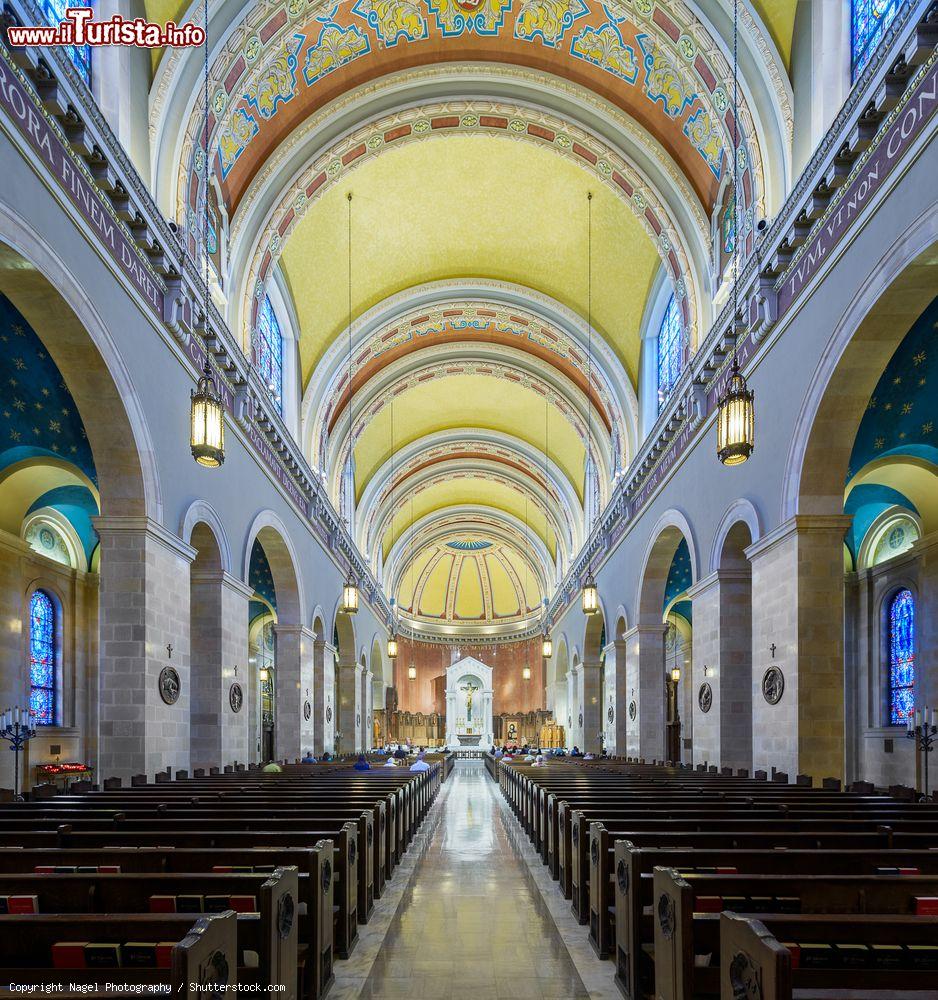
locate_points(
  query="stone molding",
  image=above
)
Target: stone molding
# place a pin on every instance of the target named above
(797, 525)
(146, 525)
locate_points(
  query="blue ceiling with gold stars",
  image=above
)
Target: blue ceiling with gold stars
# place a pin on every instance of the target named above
(902, 415)
(38, 416)
(679, 575)
(260, 577)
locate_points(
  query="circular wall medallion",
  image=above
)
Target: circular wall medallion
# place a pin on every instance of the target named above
(169, 685)
(773, 685)
(358, 718)
(611, 714)
(307, 710)
(579, 721)
(235, 698)
(705, 697)
(328, 713)
(633, 709)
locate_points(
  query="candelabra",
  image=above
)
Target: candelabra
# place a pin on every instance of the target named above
(924, 730)
(15, 728)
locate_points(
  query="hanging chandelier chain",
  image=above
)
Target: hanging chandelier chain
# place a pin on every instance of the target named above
(735, 179)
(587, 487)
(351, 391)
(205, 176)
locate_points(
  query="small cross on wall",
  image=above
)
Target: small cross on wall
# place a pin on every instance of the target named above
(772, 649)
(169, 650)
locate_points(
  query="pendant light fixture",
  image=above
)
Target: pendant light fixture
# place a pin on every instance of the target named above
(547, 644)
(206, 413)
(526, 669)
(735, 409)
(590, 596)
(412, 669)
(350, 590)
(392, 634)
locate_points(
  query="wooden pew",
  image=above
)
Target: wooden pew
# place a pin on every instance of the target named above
(686, 939)
(205, 950)
(755, 963)
(270, 930)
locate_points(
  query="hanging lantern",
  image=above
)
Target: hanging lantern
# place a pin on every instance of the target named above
(675, 674)
(263, 675)
(412, 671)
(590, 597)
(207, 424)
(735, 421)
(392, 646)
(350, 597)
(526, 672)
(547, 646)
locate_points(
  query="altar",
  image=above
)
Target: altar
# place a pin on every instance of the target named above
(469, 704)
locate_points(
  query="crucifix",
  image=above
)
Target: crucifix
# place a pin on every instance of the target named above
(772, 648)
(169, 650)
(469, 689)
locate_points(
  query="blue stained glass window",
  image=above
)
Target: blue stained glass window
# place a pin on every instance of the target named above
(901, 657)
(269, 351)
(54, 13)
(868, 22)
(670, 351)
(42, 665)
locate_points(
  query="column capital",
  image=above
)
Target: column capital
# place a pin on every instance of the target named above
(223, 579)
(798, 525)
(637, 631)
(301, 630)
(141, 524)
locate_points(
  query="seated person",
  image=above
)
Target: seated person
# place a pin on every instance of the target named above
(529, 757)
(589, 756)
(499, 753)
(391, 762)
(576, 751)
(272, 767)
(310, 758)
(362, 763)
(540, 761)
(420, 764)
(400, 753)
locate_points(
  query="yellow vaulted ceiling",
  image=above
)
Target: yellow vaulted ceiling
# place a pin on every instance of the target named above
(469, 206)
(471, 490)
(479, 401)
(452, 583)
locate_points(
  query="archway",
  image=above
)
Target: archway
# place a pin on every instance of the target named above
(591, 685)
(346, 695)
(87, 462)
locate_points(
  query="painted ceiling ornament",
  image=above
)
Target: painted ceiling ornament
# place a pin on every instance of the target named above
(336, 46)
(276, 84)
(393, 20)
(457, 17)
(666, 83)
(169, 685)
(773, 685)
(605, 47)
(547, 20)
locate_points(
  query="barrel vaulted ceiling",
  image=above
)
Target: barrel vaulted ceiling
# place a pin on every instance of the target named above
(485, 368)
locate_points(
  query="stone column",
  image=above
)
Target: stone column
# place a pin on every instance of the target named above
(322, 687)
(617, 697)
(592, 705)
(294, 674)
(368, 679)
(350, 692)
(798, 606)
(572, 708)
(645, 659)
(219, 617)
(144, 608)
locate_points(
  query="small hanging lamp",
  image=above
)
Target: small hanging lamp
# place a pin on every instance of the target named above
(350, 595)
(206, 412)
(392, 644)
(736, 420)
(412, 671)
(547, 645)
(207, 422)
(590, 596)
(526, 672)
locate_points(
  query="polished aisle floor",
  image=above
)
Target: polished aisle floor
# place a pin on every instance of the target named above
(472, 920)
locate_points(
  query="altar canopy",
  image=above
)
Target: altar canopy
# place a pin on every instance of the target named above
(469, 704)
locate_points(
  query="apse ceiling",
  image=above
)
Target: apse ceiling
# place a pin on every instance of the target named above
(490, 400)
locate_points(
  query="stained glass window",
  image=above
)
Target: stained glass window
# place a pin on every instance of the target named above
(269, 351)
(901, 657)
(868, 22)
(42, 665)
(54, 13)
(670, 351)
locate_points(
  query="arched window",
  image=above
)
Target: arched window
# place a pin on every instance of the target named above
(54, 13)
(869, 20)
(670, 354)
(269, 351)
(901, 657)
(42, 658)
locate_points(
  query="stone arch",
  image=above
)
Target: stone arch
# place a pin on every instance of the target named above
(347, 689)
(671, 529)
(43, 289)
(895, 292)
(269, 530)
(740, 511)
(202, 513)
(621, 623)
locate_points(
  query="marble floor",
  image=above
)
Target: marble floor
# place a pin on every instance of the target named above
(472, 913)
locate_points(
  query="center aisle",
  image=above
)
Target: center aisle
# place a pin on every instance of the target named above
(472, 922)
